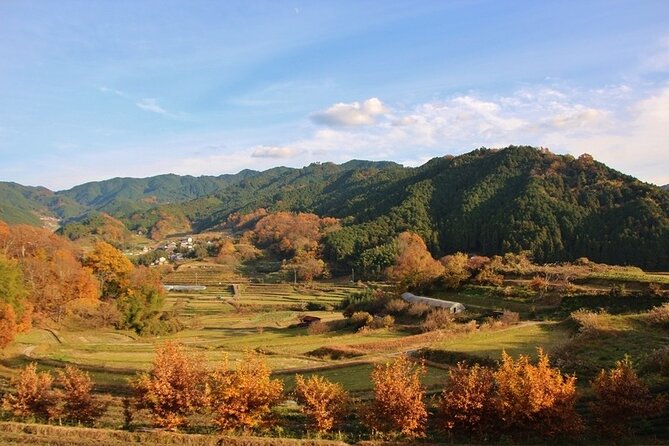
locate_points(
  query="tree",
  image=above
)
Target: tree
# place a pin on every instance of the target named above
(324, 402)
(111, 267)
(398, 406)
(455, 269)
(174, 388)
(12, 299)
(79, 405)
(536, 398)
(33, 396)
(621, 398)
(306, 266)
(414, 265)
(467, 403)
(142, 302)
(243, 397)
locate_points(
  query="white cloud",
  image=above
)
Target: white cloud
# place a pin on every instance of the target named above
(273, 152)
(351, 114)
(151, 105)
(113, 91)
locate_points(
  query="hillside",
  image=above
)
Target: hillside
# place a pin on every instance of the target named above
(486, 201)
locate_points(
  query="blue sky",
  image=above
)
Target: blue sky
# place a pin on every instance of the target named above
(96, 89)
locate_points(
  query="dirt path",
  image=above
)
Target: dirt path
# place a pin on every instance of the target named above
(28, 351)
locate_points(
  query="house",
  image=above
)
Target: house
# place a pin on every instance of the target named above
(452, 307)
(306, 320)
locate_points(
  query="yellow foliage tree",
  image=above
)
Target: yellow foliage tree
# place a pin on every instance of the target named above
(111, 267)
(243, 397)
(174, 388)
(324, 402)
(398, 406)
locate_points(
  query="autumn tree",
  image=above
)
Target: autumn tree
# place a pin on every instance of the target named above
(12, 299)
(467, 403)
(306, 266)
(536, 398)
(33, 395)
(325, 403)
(286, 232)
(111, 268)
(174, 388)
(398, 406)
(243, 397)
(621, 398)
(142, 302)
(79, 404)
(414, 265)
(455, 269)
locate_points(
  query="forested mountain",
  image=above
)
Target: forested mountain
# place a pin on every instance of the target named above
(486, 202)
(25, 204)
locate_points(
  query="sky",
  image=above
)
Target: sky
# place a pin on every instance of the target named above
(91, 90)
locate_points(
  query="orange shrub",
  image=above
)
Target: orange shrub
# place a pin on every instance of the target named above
(324, 402)
(33, 395)
(243, 397)
(398, 406)
(621, 398)
(79, 405)
(174, 388)
(467, 403)
(536, 398)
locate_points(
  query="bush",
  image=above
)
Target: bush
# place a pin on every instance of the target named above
(509, 318)
(659, 315)
(324, 402)
(621, 398)
(418, 309)
(437, 319)
(79, 405)
(589, 322)
(382, 322)
(33, 397)
(398, 407)
(360, 319)
(317, 306)
(174, 388)
(396, 306)
(318, 328)
(243, 397)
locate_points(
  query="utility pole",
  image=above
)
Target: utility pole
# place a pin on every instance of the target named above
(294, 276)
(352, 275)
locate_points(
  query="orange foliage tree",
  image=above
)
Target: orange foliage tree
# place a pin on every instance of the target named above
(79, 404)
(536, 398)
(33, 396)
(243, 397)
(414, 265)
(12, 300)
(467, 403)
(306, 266)
(286, 232)
(398, 406)
(52, 272)
(111, 268)
(324, 402)
(174, 388)
(621, 398)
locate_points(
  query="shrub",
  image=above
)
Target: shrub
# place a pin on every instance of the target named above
(537, 398)
(621, 397)
(658, 361)
(317, 306)
(33, 396)
(437, 319)
(324, 402)
(360, 319)
(317, 328)
(382, 322)
(418, 309)
(396, 306)
(79, 405)
(659, 315)
(509, 318)
(398, 406)
(243, 397)
(467, 402)
(174, 388)
(589, 322)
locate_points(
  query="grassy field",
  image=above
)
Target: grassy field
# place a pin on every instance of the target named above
(235, 314)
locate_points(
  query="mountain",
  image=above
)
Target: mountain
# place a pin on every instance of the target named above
(665, 187)
(34, 205)
(487, 202)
